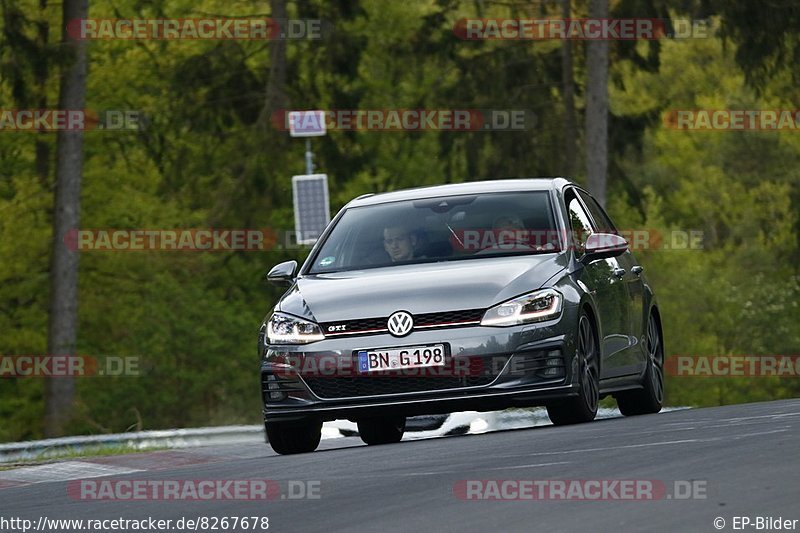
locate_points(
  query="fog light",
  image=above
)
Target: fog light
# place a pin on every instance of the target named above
(554, 365)
(275, 389)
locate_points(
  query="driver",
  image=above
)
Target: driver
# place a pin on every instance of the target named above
(509, 230)
(399, 243)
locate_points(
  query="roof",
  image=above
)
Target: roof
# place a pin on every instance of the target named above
(470, 187)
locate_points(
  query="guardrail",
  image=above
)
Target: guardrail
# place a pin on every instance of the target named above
(140, 440)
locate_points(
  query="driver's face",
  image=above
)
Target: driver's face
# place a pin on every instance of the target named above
(508, 223)
(398, 243)
(507, 228)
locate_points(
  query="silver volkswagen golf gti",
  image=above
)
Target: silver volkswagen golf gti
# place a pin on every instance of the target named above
(474, 296)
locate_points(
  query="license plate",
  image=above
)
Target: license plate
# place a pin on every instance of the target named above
(400, 358)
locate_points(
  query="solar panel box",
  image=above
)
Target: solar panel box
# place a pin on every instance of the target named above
(311, 206)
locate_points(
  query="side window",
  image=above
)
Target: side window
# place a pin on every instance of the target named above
(579, 221)
(600, 217)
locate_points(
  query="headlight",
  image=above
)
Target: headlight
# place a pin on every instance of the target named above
(287, 329)
(533, 307)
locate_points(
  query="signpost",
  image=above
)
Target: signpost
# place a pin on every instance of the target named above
(309, 190)
(307, 124)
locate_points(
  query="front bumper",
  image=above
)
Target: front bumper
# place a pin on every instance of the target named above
(489, 368)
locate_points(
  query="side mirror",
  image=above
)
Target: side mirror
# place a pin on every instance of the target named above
(603, 246)
(282, 273)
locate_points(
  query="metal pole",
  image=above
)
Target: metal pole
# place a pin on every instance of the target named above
(309, 157)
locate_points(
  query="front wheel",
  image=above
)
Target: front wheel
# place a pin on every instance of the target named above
(294, 437)
(650, 398)
(582, 408)
(382, 430)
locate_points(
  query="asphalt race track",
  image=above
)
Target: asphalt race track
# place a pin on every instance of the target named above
(743, 459)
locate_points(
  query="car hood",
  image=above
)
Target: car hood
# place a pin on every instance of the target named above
(422, 288)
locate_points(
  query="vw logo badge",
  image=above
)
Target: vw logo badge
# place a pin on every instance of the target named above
(400, 323)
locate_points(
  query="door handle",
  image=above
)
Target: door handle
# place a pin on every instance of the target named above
(638, 269)
(619, 272)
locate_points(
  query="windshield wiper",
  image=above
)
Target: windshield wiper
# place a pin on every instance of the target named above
(453, 233)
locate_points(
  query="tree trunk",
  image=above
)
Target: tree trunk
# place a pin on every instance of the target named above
(41, 75)
(276, 84)
(597, 108)
(60, 391)
(568, 88)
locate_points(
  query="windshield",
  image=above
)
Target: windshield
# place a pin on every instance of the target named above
(439, 229)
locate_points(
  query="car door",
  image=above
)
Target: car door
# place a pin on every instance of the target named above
(634, 355)
(604, 281)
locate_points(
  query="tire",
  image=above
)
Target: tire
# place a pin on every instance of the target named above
(650, 398)
(288, 438)
(581, 408)
(382, 430)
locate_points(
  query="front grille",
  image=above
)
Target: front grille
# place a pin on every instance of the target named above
(449, 317)
(365, 326)
(353, 326)
(348, 387)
